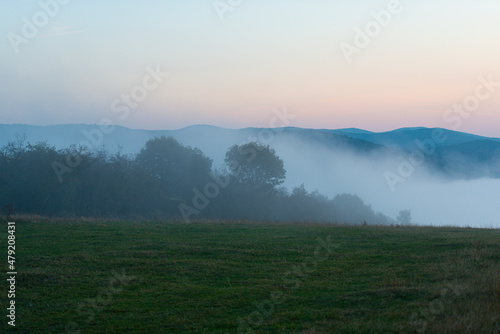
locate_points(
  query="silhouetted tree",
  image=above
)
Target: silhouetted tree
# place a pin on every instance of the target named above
(304, 206)
(177, 168)
(350, 209)
(404, 217)
(153, 183)
(256, 166)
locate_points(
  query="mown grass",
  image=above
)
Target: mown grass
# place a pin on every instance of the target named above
(210, 277)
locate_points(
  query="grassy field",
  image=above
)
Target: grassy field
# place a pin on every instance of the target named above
(230, 277)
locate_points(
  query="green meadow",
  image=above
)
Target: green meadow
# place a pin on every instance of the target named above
(91, 276)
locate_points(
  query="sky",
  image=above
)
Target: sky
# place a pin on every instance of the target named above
(370, 64)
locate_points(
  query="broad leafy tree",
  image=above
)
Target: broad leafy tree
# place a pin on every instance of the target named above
(177, 168)
(256, 167)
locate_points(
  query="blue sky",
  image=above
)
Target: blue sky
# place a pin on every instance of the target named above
(263, 55)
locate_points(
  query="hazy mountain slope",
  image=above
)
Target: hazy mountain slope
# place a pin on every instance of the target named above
(405, 138)
(62, 136)
(332, 139)
(460, 155)
(473, 159)
(213, 141)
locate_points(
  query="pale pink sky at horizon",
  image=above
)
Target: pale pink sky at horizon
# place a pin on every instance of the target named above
(233, 72)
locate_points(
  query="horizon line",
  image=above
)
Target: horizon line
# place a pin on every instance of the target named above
(249, 127)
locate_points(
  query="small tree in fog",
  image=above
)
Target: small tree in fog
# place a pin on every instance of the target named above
(404, 217)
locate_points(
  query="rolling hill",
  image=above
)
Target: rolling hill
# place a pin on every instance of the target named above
(460, 155)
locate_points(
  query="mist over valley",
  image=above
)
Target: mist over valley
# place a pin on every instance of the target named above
(452, 181)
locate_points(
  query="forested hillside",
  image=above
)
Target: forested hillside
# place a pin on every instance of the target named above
(165, 180)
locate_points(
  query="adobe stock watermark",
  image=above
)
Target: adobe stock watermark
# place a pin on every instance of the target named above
(91, 307)
(292, 280)
(454, 117)
(11, 273)
(372, 29)
(120, 106)
(224, 6)
(32, 26)
(211, 190)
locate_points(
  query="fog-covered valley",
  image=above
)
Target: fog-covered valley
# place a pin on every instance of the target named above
(393, 171)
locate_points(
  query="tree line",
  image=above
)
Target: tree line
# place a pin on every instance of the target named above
(165, 180)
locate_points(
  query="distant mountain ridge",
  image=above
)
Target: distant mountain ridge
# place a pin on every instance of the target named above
(67, 134)
(204, 137)
(405, 138)
(453, 155)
